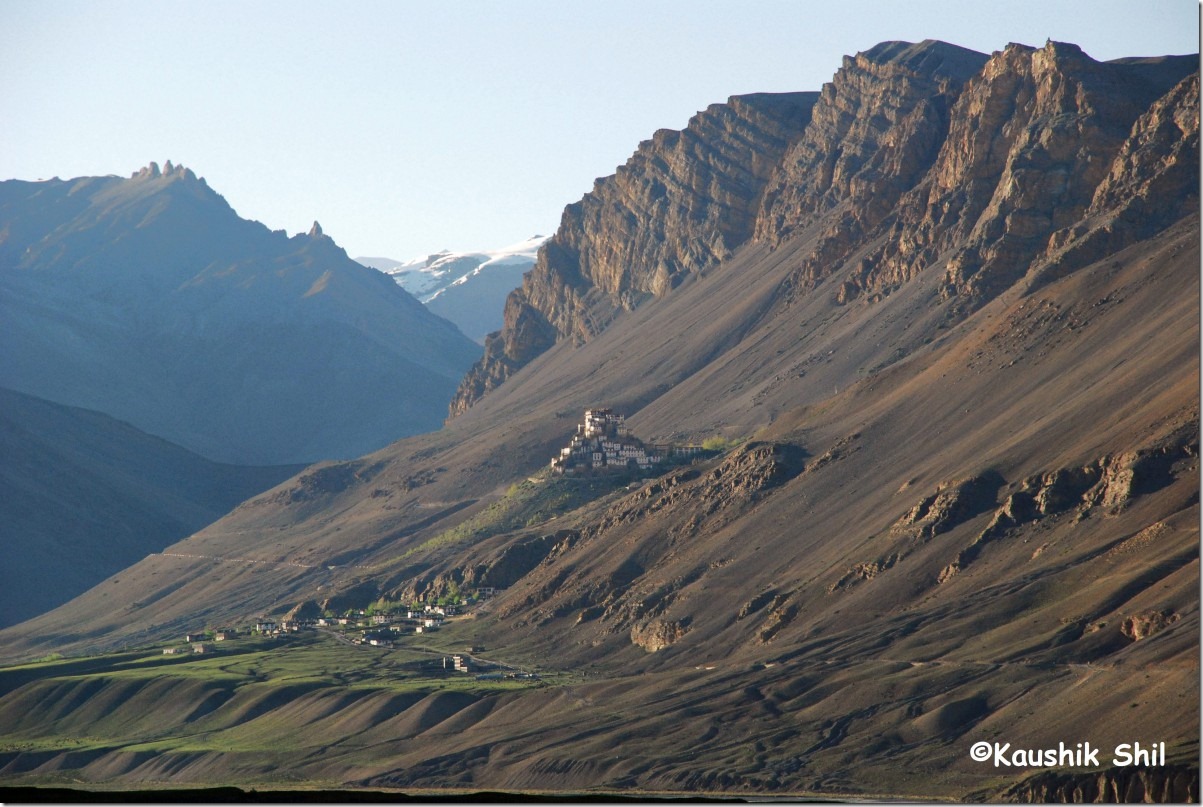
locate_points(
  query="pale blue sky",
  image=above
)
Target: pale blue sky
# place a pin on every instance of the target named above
(407, 127)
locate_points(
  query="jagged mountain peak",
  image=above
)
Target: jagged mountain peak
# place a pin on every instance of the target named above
(156, 266)
(150, 171)
(1064, 50)
(873, 133)
(169, 169)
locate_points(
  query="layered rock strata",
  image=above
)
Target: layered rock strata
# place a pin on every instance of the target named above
(874, 134)
(1152, 182)
(915, 157)
(683, 202)
(1030, 140)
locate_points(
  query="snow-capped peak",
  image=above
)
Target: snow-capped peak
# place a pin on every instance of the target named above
(427, 276)
(468, 288)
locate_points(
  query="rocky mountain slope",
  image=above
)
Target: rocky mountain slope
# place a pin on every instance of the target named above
(467, 288)
(82, 496)
(149, 299)
(682, 203)
(915, 154)
(962, 503)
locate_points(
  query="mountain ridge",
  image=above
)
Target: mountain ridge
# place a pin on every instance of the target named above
(148, 298)
(581, 278)
(837, 174)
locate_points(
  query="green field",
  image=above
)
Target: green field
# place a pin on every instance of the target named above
(262, 703)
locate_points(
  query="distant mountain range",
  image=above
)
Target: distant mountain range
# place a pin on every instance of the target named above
(149, 299)
(467, 288)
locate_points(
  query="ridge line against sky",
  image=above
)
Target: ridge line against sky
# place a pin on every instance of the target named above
(407, 127)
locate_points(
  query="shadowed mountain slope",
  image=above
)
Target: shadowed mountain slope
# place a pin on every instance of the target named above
(954, 512)
(84, 496)
(149, 299)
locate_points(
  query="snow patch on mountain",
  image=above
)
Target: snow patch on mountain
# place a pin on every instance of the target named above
(429, 276)
(468, 288)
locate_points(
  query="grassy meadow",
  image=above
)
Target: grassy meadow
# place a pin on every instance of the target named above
(263, 704)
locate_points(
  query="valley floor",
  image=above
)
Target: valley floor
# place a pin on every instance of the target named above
(312, 713)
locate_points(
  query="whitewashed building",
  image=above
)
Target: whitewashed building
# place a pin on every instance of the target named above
(603, 442)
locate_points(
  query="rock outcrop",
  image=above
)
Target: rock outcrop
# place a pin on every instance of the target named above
(1172, 784)
(1152, 182)
(1108, 484)
(873, 135)
(876, 128)
(658, 634)
(1030, 140)
(915, 156)
(686, 503)
(1146, 623)
(683, 202)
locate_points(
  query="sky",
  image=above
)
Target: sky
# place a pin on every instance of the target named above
(410, 127)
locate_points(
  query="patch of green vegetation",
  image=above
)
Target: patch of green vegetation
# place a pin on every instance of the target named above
(722, 444)
(527, 504)
(264, 698)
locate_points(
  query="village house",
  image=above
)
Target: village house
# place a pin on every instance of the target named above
(194, 637)
(202, 647)
(222, 634)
